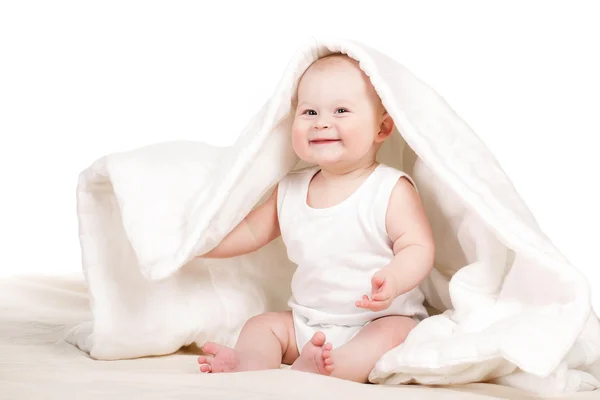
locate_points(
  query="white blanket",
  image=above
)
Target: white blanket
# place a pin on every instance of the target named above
(35, 364)
(513, 310)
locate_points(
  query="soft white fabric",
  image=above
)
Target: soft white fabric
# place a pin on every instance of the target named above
(516, 308)
(36, 364)
(337, 250)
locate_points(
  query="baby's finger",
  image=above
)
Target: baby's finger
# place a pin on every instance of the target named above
(367, 304)
(378, 305)
(381, 296)
(361, 303)
(377, 286)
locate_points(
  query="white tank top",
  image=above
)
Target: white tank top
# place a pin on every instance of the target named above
(339, 248)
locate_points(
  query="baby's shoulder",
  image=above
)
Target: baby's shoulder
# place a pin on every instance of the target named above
(395, 176)
(389, 168)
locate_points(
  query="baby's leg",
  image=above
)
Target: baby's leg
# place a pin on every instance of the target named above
(265, 342)
(355, 360)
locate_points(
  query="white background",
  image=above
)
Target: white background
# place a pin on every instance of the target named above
(80, 80)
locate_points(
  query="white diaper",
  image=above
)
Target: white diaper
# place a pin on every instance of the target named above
(337, 335)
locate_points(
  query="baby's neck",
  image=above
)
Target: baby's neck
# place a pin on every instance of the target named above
(351, 172)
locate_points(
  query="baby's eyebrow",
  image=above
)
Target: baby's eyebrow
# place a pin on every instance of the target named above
(343, 101)
(333, 102)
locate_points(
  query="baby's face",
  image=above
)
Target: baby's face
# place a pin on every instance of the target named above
(338, 116)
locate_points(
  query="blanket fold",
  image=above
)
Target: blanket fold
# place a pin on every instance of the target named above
(510, 308)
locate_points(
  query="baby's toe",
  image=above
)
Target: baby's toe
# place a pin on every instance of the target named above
(327, 346)
(205, 368)
(328, 361)
(210, 348)
(329, 368)
(203, 359)
(318, 339)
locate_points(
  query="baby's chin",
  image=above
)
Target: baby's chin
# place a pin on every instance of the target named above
(326, 161)
(322, 158)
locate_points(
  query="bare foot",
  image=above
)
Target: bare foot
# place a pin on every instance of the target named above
(315, 356)
(221, 359)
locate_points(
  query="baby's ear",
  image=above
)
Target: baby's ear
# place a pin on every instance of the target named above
(386, 128)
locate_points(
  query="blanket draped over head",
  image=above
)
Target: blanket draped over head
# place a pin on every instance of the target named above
(506, 305)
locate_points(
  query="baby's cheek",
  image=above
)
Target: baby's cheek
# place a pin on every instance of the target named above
(299, 129)
(355, 139)
(299, 143)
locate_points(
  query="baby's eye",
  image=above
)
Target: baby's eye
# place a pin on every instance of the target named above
(310, 111)
(342, 110)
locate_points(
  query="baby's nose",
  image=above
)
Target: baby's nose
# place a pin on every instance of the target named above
(322, 126)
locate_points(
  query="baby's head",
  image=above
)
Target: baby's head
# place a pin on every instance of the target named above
(339, 119)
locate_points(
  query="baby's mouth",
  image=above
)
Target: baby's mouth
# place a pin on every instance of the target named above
(324, 141)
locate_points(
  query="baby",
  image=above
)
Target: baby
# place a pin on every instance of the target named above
(355, 228)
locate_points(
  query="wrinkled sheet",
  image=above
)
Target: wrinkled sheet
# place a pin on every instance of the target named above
(36, 363)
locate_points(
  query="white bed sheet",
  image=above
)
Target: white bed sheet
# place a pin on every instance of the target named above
(36, 363)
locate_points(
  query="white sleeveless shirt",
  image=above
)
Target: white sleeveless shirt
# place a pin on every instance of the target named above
(338, 249)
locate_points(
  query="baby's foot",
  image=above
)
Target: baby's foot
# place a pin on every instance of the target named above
(220, 359)
(315, 356)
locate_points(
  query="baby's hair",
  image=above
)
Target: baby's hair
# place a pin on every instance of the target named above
(325, 60)
(333, 59)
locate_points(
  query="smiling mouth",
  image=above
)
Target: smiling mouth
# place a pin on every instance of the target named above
(324, 141)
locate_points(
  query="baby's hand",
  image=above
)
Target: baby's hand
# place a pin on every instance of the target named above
(383, 291)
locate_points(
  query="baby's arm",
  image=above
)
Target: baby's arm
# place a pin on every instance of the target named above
(260, 227)
(413, 246)
(409, 230)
